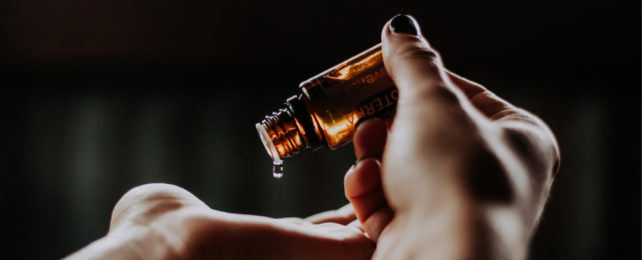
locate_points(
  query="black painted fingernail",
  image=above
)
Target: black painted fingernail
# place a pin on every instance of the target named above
(403, 24)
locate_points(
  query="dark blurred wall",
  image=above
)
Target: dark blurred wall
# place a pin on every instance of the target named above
(101, 96)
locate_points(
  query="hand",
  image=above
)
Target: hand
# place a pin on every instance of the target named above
(461, 174)
(160, 221)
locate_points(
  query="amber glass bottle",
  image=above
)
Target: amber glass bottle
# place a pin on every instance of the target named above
(328, 107)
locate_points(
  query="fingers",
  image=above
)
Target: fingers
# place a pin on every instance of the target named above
(419, 73)
(222, 235)
(364, 190)
(363, 187)
(343, 216)
(524, 132)
(362, 183)
(369, 139)
(411, 62)
(294, 220)
(319, 241)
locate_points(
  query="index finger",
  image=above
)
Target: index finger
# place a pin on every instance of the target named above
(370, 139)
(343, 216)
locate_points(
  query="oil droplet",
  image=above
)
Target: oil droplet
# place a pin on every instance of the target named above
(277, 170)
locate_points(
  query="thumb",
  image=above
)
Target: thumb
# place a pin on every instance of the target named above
(413, 65)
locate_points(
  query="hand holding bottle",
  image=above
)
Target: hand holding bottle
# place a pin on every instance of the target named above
(461, 173)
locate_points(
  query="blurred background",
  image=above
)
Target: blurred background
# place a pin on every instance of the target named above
(101, 96)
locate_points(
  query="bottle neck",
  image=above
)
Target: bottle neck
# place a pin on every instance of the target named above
(288, 131)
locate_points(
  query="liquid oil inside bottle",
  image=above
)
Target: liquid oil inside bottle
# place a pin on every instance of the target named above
(277, 169)
(327, 108)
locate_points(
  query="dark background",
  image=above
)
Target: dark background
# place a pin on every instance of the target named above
(101, 96)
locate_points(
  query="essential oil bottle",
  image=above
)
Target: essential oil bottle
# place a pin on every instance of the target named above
(327, 107)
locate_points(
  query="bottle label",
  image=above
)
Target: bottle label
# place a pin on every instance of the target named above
(369, 78)
(342, 96)
(379, 104)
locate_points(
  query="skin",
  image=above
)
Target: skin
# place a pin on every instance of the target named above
(460, 174)
(162, 221)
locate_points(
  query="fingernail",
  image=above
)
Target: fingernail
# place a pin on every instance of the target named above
(403, 24)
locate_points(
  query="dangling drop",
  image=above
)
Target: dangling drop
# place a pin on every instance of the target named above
(277, 170)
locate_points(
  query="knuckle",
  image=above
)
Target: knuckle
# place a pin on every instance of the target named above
(534, 146)
(521, 142)
(418, 50)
